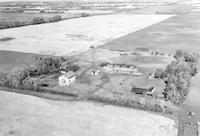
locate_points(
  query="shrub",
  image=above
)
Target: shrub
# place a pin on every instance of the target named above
(37, 20)
(47, 64)
(55, 18)
(72, 68)
(11, 24)
(160, 73)
(84, 14)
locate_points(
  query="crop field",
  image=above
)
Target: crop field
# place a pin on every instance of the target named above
(178, 32)
(27, 115)
(63, 38)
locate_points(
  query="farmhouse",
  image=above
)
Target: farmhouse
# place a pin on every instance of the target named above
(121, 68)
(67, 78)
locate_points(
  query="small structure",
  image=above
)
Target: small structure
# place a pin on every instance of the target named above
(143, 91)
(151, 76)
(95, 72)
(67, 78)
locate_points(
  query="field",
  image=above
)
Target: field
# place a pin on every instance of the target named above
(178, 32)
(10, 60)
(27, 115)
(63, 38)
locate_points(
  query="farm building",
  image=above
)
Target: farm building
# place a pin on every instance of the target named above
(121, 68)
(31, 10)
(95, 72)
(143, 91)
(151, 76)
(67, 78)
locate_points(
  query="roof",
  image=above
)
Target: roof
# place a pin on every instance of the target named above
(124, 66)
(139, 90)
(116, 66)
(69, 74)
(109, 66)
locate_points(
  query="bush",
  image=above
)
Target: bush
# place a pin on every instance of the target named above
(37, 20)
(32, 83)
(11, 24)
(55, 18)
(85, 15)
(160, 73)
(72, 68)
(45, 65)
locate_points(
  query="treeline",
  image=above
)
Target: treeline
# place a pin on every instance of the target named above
(135, 101)
(177, 76)
(27, 77)
(34, 21)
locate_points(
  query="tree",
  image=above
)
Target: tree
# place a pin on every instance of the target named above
(159, 73)
(48, 65)
(55, 18)
(178, 76)
(37, 20)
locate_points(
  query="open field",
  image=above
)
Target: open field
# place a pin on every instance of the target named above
(178, 32)
(63, 37)
(27, 115)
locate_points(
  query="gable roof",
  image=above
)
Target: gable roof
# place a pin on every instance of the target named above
(69, 74)
(139, 90)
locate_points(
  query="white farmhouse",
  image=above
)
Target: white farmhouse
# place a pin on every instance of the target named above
(67, 78)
